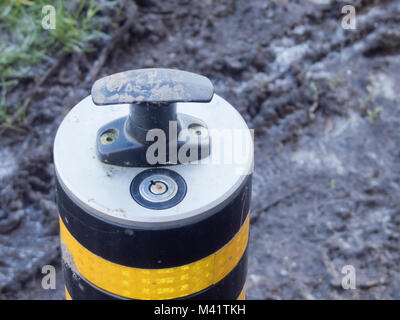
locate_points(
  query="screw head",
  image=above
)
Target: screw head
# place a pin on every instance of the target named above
(109, 136)
(198, 130)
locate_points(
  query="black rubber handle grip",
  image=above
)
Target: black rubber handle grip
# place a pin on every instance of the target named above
(152, 86)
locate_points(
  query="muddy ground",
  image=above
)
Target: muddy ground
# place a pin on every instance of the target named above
(324, 103)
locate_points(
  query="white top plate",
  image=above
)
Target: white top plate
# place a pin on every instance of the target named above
(105, 189)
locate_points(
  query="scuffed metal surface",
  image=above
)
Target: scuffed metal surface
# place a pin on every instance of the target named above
(152, 85)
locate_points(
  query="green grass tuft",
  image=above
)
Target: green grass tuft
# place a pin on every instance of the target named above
(27, 49)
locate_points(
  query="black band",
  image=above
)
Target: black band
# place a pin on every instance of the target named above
(229, 288)
(155, 248)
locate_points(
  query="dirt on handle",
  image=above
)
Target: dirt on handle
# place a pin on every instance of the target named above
(324, 105)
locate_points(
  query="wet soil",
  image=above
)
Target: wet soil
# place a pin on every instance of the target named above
(324, 104)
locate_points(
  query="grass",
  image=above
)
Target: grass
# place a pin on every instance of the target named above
(27, 49)
(374, 114)
(367, 105)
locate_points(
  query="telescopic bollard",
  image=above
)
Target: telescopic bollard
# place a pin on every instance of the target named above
(153, 190)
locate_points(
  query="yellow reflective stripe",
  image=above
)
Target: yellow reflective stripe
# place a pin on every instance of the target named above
(168, 283)
(67, 296)
(242, 295)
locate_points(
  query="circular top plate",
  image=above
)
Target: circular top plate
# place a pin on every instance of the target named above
(104, 189)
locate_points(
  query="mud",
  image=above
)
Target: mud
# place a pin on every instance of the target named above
(324, 105)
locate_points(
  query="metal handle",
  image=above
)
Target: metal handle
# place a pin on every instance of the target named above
(152, 86)
(152, 95)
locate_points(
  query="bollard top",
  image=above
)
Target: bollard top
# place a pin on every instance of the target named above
(104, 190)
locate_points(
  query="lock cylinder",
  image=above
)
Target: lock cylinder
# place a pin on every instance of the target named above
(153, 175)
